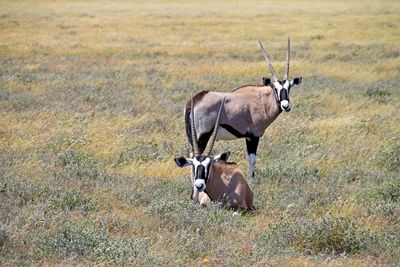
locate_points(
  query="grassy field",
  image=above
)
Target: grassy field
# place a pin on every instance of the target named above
(91, 117)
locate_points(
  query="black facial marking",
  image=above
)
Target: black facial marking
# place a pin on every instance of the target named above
(284, 95)
(201, 172)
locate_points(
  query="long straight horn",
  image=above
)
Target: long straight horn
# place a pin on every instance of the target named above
(196, 149)
(287, 60)
(211, 141)
(266, 57)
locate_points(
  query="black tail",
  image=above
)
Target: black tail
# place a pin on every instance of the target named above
(202, 140)
(187, 124)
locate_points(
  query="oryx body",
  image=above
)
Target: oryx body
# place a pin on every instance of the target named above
(213, 178)
(248, 111)
(228, 185)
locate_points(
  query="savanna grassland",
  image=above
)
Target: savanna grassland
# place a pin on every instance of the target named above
(91, 101)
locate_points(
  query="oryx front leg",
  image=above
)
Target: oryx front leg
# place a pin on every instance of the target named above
(252, 144)
(201, 197)
(252, 163)
(204, 199)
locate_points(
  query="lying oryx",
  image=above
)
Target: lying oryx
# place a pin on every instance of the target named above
(213, 178)
(248, 110)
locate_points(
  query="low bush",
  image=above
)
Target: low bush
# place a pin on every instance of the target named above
(74, 200)
(328, 235)
(79, 241)
(72, 165)
(389, 156)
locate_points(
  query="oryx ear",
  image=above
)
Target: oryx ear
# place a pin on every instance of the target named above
(266, 81)
(297, 81)
(182, 162)
(222, 157)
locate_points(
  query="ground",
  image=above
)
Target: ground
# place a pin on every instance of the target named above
(91, 103)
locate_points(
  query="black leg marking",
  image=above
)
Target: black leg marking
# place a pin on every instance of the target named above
(252, 144)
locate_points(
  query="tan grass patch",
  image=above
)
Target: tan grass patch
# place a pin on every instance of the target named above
(161, 170)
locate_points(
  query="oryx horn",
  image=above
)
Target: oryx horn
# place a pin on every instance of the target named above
(266, 57)
(287, 60)
(196, 149)
(211, 141)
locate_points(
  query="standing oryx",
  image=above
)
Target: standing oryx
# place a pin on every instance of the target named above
(213, 178)
(248, 110)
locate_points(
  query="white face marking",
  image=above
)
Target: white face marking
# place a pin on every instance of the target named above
(278, 88)
(285, 105)
(199, 185)
(286, 85)
(205, 163)
(195, 163)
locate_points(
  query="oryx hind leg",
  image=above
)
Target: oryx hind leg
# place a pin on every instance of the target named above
(203, 140)
(252, 144)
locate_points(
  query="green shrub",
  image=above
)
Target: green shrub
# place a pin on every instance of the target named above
(24, 103)
(389, 156)
(377, 93)
(75, 240)
(389, 192)
(29, 191)
(143, 152)
(64, 141)
(328, 235)
(4, 236)
(77, 166)
(68, 201)
(381, 199)
(333, 235)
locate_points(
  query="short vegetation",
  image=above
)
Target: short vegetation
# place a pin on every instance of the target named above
(91, 101)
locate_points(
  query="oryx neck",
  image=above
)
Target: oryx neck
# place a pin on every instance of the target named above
(272, 105)
(215, 186)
